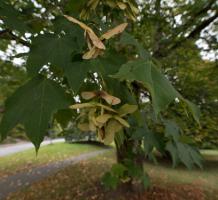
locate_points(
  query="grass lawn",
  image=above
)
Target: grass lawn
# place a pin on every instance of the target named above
(82, 182)
(50, 153)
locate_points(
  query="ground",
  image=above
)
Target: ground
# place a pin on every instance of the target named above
(28, 159)
(83, 182)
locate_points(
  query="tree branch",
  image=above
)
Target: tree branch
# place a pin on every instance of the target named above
(194, 32)
(185, 28)
(3, 32)
(196, 15)
(202, 26)
(158, 27)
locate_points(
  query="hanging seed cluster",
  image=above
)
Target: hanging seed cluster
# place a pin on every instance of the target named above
(98, 115)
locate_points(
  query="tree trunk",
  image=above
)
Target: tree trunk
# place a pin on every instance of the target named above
(131, 150)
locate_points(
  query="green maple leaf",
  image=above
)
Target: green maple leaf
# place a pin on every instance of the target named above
(76, 72)
(33, 105)
(52, 49)
(12, 18)
(184, 153)
(128, 39)
(162, 92)
(172, 130)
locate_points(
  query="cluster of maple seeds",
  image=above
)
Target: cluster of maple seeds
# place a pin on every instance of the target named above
(95, 43)
(102, 118)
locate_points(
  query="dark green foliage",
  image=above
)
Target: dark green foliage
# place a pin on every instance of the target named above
(110, 181)
(52, 49)
(162, 92)
(33, 106)
(120, 173)
(76, 72)
(172, 130)
(12, 18)
(184, 153)
(64, 116)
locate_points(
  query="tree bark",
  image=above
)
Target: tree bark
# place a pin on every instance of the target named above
(130, 149)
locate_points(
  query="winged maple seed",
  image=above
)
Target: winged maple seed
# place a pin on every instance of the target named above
(95, 44)
(90, 33)
(112, 100)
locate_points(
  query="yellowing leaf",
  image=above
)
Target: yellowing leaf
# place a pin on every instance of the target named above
(122, 121)
(117, 30)
(127, 109)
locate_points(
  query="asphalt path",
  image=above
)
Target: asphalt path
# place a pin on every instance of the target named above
(22, 180)
(9, 149)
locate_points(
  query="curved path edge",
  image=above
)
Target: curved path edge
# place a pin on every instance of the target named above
(21, 180)
(10, 149)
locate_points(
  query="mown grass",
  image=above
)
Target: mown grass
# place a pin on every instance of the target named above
(207, 175)
(82, 182)
(50, 153)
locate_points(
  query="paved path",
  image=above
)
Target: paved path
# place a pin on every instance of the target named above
(23, 179)
(14, 148)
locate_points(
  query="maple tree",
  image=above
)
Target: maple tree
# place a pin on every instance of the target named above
(93, 67)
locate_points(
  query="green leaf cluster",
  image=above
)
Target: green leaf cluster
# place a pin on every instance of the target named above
(33, 105)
